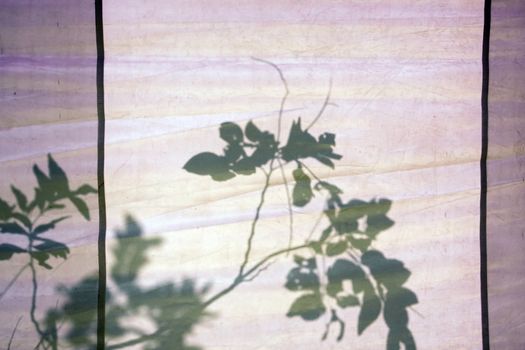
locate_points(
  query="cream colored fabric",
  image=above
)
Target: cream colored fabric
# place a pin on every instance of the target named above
(405, 86)
(406, 81)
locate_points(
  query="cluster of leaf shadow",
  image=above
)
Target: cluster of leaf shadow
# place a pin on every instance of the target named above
(23, 217)
(22, 222)
(171, 310)
(246, 151)
(359, 276)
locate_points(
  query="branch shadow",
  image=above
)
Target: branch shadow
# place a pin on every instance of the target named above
(377, 283)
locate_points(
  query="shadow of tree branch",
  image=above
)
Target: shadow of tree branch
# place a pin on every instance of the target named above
(353, 226)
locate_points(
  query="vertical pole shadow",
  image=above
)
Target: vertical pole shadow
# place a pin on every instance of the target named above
(101, 303)
(483, 175)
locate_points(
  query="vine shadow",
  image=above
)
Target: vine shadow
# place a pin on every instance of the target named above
(358, 275)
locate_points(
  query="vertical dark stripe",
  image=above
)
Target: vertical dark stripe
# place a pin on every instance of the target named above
(483, 172)
(101, 303)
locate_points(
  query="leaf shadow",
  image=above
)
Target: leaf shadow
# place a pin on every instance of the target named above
(23, 221)
(170, 310)
(347, 242)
